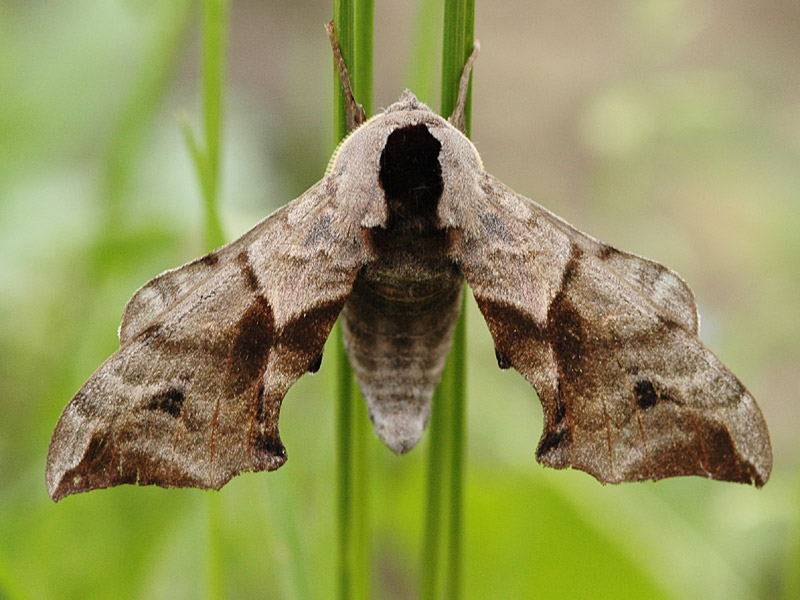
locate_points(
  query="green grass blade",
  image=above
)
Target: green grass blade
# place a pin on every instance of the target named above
(420, 73)
(437, 473)
(353, 22)
(343, 17)
(364, 23)
(362, 88)
(457, 456)
(206, 155)
(444, 509)
(215, 33)
(344, 25)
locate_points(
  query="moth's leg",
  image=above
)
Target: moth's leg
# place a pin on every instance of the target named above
(457, 118)
(355, 112)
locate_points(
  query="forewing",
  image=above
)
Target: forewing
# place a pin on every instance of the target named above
(207, 354)
(629, 391)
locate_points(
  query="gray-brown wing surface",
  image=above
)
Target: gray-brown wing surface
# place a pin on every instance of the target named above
(207, 353)
(609, 343)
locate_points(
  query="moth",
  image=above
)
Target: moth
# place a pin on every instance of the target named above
(384, 241)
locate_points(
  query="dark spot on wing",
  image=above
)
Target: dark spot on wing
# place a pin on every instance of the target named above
(255, 335)
(209, 259)
(169, 401)
(315, 364)
(646, 396)
(250, 277)
(502, 360)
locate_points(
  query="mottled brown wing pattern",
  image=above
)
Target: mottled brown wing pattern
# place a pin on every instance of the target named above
(608, 342)
(205, 349)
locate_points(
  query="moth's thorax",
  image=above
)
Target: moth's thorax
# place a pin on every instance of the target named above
(394, 148)
(410, 176)
(408, 268)
(410, 261)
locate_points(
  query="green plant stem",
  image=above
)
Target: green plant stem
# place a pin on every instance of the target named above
(431, 544)
(444, 509)
(206, 156)
(215, 28)
(215, 38)
(343, 24)
(457, 455)
(362, 88)
(353, 22)
(421, 70)
(364, 20)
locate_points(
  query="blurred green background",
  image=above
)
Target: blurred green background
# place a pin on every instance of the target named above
(668, 128)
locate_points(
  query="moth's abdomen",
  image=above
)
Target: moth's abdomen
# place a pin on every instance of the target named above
(398, 325)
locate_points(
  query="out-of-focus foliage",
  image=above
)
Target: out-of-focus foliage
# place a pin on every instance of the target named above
(668, 128)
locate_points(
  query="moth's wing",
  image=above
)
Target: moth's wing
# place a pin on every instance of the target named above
(207, 353)
(660, 284)
(629, 391)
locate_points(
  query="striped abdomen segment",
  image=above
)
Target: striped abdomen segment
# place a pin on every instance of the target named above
(398, 325)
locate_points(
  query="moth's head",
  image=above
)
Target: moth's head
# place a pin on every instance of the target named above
(407, 160)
